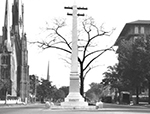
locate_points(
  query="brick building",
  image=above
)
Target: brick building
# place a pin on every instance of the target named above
(134, 29)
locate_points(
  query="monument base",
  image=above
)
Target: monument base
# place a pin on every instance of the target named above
(74, 100)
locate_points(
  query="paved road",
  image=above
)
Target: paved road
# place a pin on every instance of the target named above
(21, 109)
(108, 109)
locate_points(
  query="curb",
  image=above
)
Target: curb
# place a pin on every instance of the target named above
(11, 105)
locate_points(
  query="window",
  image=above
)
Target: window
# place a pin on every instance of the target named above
(136, 30)
(5, 59)
(135, 37)
(142, 30)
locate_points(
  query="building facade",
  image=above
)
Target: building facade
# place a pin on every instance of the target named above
(132, 30)
(13, 52)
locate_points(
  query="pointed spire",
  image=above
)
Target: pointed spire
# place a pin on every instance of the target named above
(16, 2)
(22, 20)
(18, 17)
(5, 22)
(6, 14)
(6, 28)
(15, 14)
(48, 76)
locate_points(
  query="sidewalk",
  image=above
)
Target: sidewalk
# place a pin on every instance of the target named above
(148, 106)
(10, 105)
(143, 104)
(17, 105)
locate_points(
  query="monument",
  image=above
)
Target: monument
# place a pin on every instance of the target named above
(74, 99)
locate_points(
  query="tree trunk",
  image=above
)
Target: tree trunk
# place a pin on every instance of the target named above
(137, 95)
(6, 97)
(81, 84)
(81, 80)
(149, 92)
(116, 97)
(119, 97)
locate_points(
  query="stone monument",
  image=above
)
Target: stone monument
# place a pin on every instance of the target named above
(74, 99)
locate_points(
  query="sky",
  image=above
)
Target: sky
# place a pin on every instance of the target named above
(110, 13)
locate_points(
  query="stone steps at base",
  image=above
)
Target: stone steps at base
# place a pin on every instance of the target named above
(73, 107)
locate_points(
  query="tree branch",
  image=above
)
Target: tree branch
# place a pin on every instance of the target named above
(96, 57)
(45, 45)
(58, 26)
(68, 44)
(84, 27)
(90, 68)
(110, 48)
(92, 38)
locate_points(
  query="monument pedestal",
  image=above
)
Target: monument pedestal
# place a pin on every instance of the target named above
(74, 98)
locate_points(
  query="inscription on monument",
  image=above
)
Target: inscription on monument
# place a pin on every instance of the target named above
(74, 100)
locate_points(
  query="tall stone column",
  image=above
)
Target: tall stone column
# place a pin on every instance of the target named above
(74, 99)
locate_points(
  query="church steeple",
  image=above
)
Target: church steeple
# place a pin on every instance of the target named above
(6, 28)
(13, 51)
(48, 76)
(15, 15)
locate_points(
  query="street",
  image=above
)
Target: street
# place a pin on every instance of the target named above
(22, 109)
(107, 109)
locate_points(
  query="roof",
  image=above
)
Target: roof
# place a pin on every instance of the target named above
(140, 22)
(127, 25)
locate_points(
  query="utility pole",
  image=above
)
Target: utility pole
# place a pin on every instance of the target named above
(74, 99)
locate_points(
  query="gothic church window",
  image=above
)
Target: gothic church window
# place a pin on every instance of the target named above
(3, 59)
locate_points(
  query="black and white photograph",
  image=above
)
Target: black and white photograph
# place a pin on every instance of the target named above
(74, 57)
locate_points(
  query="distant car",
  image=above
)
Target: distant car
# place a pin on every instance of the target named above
(42, 100)
(107, 99)
(92, 103)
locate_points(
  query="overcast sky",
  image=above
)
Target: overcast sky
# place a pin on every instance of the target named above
(113, 13)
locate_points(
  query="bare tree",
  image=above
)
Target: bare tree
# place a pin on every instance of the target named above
(88, 52)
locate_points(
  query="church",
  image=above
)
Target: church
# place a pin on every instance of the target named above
(14, 68)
